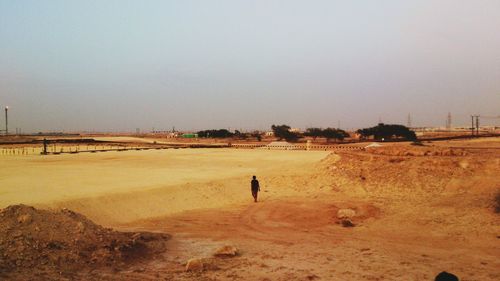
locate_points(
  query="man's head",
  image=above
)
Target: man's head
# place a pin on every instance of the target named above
(254, 177)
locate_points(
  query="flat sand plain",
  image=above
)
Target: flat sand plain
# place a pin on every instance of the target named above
(419, 210)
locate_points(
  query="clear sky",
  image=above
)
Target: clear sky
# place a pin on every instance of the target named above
(121, 65)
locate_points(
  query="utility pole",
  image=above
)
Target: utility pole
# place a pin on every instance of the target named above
(6, 120)
(474, 127)
(472, 124)
(408, 123)
(448, 121)
(477, 125)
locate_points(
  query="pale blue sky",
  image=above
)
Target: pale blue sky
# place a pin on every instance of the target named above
(119, 65)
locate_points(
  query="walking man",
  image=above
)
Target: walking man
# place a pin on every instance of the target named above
(255, 188)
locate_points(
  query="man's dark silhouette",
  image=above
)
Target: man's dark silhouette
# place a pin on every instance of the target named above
(255, 188)
(445, 276)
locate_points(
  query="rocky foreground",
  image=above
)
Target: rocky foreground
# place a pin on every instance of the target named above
(40, 244)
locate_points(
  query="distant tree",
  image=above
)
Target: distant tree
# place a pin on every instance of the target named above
(343, 134)
(314, 132)
(240, 135)
(221, 133)
(328, 133)
(257, 135)
(283, 132)
(331, 133)
(387, 132)
(280, 131)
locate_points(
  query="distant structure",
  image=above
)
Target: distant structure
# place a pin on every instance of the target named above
(408, 122)
(448, 121)
(492, 127)
(474, 127)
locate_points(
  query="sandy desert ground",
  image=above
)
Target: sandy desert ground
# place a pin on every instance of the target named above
(419, 210)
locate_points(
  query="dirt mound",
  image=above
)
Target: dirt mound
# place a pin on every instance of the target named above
(387, 173)
(64, 241)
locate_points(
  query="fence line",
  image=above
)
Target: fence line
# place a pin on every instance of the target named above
(53, 149)
(297, 147)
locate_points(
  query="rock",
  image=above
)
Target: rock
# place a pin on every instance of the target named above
(24, 218)
(346, 213)
(463, 164)
(226, 251)
(197, 264)
(136, 236)
(80, 227)
(447, 152)
(345, 222)
(345, 217)
(194, 265)
(140, 269)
